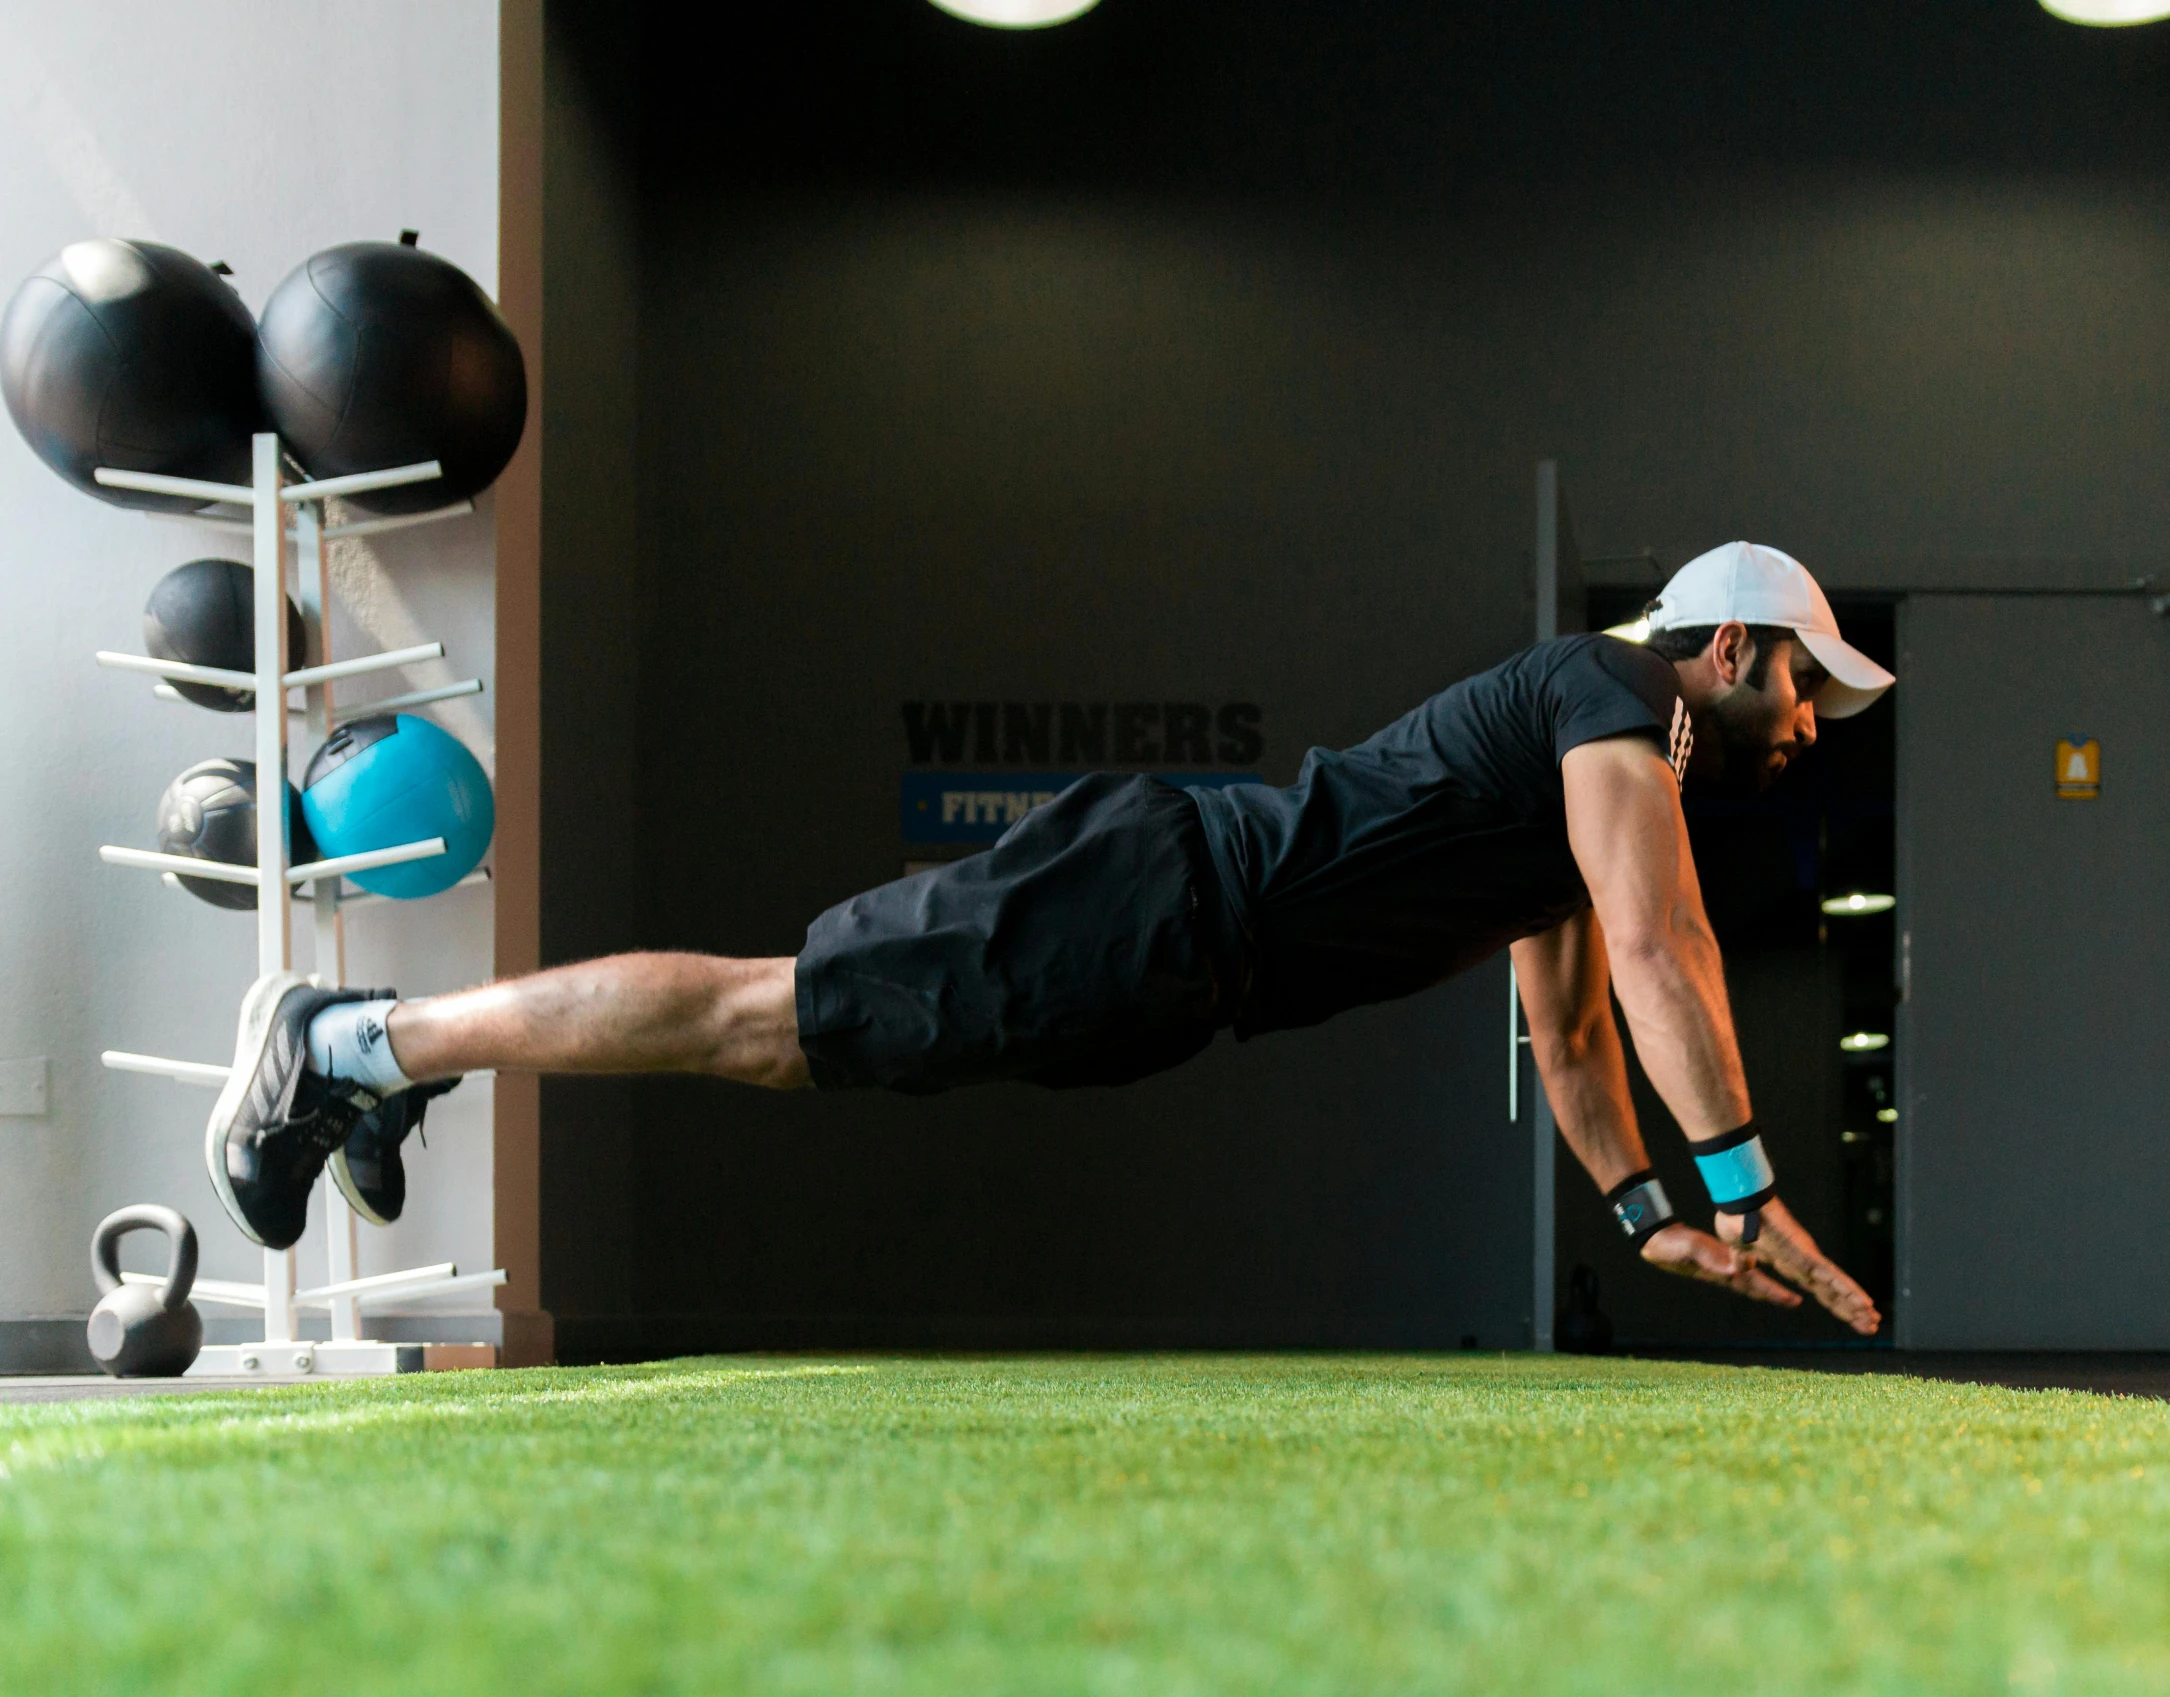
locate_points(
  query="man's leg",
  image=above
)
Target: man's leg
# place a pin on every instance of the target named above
(310, 1068)
(735, 1019)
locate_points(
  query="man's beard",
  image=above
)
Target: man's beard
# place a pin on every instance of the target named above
(1743, 728)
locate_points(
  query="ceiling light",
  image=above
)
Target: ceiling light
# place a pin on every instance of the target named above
(1861, 1042)
(1017, 14)
(1858, 903)
(2107, 12)
(1635, 630)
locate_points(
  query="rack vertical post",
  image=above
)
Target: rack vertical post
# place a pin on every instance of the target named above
(312, 574)
(274, 912)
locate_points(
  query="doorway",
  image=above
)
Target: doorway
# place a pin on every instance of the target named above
(1800, 885)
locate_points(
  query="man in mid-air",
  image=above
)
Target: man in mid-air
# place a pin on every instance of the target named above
(1114, 931)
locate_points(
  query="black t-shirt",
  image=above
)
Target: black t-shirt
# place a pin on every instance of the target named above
(1416, 854)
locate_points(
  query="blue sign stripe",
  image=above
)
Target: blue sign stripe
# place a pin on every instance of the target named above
(977, 807)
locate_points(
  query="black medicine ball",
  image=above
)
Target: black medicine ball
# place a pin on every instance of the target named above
(204, 613)
(377, 354)
(209, 813)
(131, 355)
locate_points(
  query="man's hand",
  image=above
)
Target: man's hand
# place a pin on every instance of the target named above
(1786, 1245)
(1680, 1248)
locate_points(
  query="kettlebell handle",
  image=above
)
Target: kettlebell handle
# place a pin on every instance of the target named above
(105, 1250)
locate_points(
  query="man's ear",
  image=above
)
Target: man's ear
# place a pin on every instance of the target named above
(1732, 651)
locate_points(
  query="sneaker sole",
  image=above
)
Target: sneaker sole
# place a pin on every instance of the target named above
(344, 1179)
(257, 1007)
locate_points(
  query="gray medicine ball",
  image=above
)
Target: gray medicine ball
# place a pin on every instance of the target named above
(204, 613)
(209, 813)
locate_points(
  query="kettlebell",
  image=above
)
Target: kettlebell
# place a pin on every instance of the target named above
(1582, 1327)
(144, 1331)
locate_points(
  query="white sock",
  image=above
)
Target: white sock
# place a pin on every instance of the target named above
(348, 1040)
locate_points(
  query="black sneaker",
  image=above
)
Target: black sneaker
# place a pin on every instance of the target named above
(367, 1167)
(276, 1121)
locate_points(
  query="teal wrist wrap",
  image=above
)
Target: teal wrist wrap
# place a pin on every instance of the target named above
(1736, 1170)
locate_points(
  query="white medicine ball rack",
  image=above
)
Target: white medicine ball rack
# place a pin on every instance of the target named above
(277, 513)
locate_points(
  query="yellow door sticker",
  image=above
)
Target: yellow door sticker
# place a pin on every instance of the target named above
(2079, 769)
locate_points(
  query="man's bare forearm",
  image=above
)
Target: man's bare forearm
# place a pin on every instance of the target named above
(1672, 988)
(1563, 977)
(1588, 1090)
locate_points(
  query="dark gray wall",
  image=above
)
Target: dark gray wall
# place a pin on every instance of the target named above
(1205, 352)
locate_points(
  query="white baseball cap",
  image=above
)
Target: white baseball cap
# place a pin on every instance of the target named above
(1760, 586)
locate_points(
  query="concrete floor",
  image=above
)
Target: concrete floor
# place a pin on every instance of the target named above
(71, 1387)
(2134, 1373)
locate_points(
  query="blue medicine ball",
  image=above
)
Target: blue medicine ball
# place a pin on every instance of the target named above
(385, 781)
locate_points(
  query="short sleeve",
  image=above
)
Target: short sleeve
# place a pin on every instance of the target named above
(1609, 688)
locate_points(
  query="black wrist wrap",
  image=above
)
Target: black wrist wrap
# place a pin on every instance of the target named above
(1641, 1206)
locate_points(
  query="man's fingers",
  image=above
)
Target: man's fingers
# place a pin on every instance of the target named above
(1692, 1254)
(1784, 1245)
(1761, 1287)
(1794, 1253)
(1831, 1287)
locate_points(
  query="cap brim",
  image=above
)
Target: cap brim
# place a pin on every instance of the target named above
(1855, 680)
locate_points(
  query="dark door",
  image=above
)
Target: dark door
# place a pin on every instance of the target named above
(2034, 1133)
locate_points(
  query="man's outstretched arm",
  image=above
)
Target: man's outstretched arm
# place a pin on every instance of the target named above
(1566, 994)
(1630, 841)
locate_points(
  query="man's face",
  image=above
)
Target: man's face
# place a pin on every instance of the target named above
(1760, 731)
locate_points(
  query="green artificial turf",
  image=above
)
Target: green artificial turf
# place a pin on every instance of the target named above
(1360, 1525)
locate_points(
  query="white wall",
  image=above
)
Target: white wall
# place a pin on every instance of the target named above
(256, 132)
